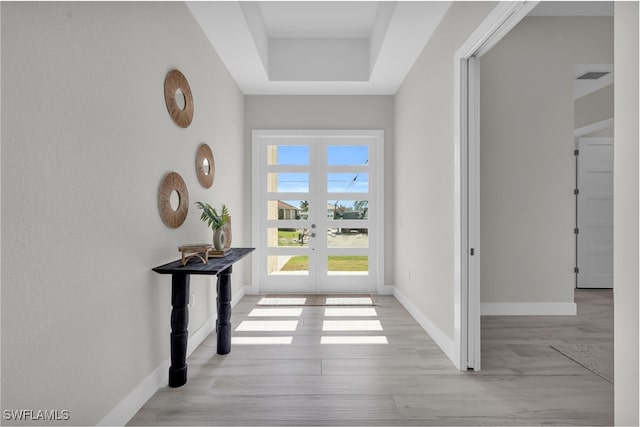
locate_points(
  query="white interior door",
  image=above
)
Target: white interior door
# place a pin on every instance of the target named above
(318, 220)
(595, 213)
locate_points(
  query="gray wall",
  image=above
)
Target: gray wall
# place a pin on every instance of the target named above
(86, 139)
(527, 163)
(424, 165)
(329, 112)
(593, 107)
(625, 187)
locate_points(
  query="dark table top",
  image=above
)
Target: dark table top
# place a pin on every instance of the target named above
(213, 267)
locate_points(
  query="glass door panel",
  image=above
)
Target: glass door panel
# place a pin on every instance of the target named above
(288, 265)
(288, 155)
(348, 182)
(347, 155)
(284, 182)
(340, 239)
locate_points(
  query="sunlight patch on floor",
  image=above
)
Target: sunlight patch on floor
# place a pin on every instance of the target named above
(282, 301)
(351, 325)
(267, 325)
(276, 312)
(349, 301)
(354, 340)
(350, 312)
(261, 340)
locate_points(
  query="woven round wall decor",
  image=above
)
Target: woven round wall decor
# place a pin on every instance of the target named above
(173, 218)
(205, 166)
(178, 97)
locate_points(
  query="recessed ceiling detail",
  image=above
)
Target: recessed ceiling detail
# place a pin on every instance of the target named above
(337, 47)
(319, 47)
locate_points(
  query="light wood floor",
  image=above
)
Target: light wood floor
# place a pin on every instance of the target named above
(408, 381)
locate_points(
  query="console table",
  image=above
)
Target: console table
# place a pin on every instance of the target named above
(180, 274)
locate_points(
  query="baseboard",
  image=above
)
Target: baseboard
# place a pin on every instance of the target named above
(528, 309)
(130, 405)
(248, 290)
(386, 289)
(443, 341)
(237, 296)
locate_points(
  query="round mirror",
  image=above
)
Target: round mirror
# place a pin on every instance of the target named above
(178, 97)
(174, 200)
(205, 166)
(181, 102)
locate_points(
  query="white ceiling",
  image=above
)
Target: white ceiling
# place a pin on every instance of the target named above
(333, 47)
(318, 19)
(318, 47)
(573, 8)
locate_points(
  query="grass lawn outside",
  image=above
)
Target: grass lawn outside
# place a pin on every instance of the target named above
(348, 263)
(336, 263)
(288, 238)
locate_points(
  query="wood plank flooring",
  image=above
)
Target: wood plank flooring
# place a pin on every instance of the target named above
(408, 381)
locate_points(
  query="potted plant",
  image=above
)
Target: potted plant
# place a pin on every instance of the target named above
(216, 221)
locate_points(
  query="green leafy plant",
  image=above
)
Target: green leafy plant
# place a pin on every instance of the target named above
(211, 216)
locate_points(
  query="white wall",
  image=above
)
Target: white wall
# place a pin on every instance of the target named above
(527, 163)
(424, 178)
(86, 139)
(625, 187)
(329, 112)
(594, 107)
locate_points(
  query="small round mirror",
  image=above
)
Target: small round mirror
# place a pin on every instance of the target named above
(205, 165)
(174, 200)
(181, 101)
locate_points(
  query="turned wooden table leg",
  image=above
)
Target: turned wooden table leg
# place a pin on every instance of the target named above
(179, 333)
(223, 324)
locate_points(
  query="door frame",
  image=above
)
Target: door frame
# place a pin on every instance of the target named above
(491, 30)
(256, 134)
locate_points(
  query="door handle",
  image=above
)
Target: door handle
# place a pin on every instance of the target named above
(313, 234)
(313, 226)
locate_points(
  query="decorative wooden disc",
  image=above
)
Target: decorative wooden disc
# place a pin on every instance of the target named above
(170, 183)
(206, 171)
(175, 81)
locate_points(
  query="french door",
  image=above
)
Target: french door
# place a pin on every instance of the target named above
(318, 210)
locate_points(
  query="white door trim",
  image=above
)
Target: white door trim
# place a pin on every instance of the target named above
(379, 189)
(492, 29)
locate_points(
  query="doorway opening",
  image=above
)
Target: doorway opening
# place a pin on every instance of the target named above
(502, 19)
(469, 193)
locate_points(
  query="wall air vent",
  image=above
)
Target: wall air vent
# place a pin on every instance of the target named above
(592, 75)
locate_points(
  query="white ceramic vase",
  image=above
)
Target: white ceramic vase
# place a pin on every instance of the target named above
(218, 239)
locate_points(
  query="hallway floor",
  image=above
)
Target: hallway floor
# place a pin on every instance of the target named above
(372, 365)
